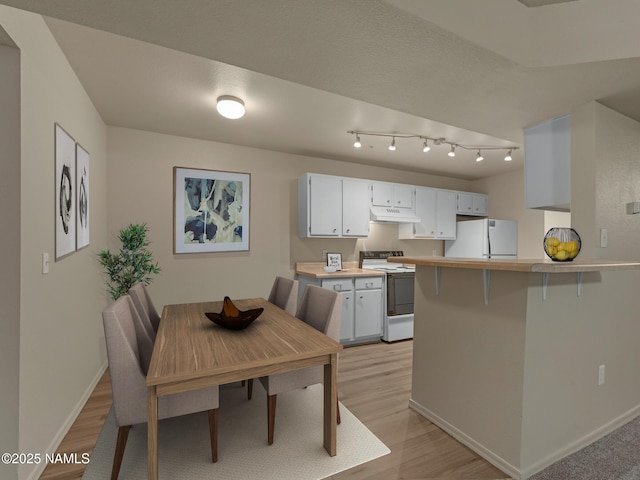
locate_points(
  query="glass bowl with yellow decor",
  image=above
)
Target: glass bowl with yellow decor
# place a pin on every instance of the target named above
(562, 244)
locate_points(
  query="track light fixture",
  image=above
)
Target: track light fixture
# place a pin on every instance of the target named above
(435, 140)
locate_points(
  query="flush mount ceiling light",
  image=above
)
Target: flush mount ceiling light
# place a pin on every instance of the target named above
(435, 140)
(230, 107)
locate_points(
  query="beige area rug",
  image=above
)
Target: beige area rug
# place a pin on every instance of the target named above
(243, 453)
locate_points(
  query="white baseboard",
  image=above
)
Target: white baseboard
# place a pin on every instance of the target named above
(541, 464)
(64, 428)
(465, 439)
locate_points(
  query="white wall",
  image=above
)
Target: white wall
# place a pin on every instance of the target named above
(9, 253)
(62, 348)
(141, 171)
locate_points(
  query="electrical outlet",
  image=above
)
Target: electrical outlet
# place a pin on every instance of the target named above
(601, 375)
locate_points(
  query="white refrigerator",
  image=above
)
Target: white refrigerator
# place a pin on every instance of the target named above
(484, 238)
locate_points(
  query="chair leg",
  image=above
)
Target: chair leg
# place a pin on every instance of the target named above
(213, 432)
(249, 388)
(338, 410)
(271, 416)
(123, 434)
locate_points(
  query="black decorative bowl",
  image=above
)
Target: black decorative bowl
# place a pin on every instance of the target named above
(232, 318)
(562, 244)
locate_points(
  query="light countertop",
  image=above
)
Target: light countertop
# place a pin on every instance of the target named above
(520, 265)
(350, 269)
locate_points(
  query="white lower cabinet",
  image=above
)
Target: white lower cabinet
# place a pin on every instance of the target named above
(362, 305)
(369, 304)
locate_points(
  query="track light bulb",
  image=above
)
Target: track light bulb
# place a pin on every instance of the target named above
(426, 147)
(508, 158)
(452, 152)
(357, 143)
(479, 157)
(392, 147)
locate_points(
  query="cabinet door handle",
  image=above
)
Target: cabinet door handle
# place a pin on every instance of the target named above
(361, 297)
(335, 230)
(348, 230)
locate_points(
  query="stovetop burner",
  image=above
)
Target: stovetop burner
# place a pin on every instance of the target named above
(377, 260)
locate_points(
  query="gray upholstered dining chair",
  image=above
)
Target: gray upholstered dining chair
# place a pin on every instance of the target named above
(322, 309)
(142, 301)
(284, 294)
(129, 349)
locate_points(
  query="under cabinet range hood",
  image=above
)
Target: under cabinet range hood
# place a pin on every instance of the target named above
(393, 215)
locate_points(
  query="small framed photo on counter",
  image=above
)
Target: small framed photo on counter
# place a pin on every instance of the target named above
(334, 260)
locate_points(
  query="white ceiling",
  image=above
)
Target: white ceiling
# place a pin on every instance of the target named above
(309, 70)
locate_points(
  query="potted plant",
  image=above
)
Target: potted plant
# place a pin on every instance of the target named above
(132, 264)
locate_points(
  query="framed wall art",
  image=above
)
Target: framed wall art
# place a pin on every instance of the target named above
(65, 178)
(211, 210)
(82, 197)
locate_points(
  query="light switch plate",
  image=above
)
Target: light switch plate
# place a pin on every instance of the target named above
(45, 263)
(603, 237)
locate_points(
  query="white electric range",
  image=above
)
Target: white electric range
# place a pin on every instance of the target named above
(400, 279)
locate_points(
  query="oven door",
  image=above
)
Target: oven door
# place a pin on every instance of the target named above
(400, 293)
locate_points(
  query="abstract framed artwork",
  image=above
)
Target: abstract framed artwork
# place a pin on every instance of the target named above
(82, 197)
(65, 208)
(210, 210)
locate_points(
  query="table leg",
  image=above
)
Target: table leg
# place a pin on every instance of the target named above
(330, 404)
(152, 433)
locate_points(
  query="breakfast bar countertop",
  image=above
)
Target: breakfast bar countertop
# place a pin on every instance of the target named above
(350, 269)
(520, 265)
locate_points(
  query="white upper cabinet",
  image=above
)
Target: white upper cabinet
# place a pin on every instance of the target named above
(471, 204)
(446, 214)
(356, 202)
(392, 195)
(547, 165)
(325, 206)
(437, 212)
(331, 206)
(480, 204)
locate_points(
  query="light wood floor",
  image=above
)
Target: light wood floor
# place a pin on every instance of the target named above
(374, 383)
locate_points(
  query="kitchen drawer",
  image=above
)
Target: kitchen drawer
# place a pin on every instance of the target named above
(342, 285)
(368, 283)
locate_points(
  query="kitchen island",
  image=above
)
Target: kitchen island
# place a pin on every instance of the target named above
(526, 361)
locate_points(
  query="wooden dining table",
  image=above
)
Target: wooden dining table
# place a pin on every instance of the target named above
(191, 352)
